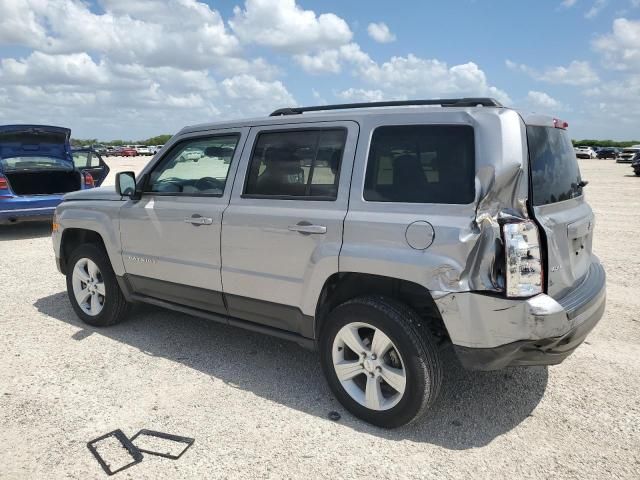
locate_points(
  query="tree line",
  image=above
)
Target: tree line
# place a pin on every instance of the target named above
(157, 140)
(605, 143)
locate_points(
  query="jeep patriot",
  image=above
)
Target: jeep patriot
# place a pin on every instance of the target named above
(378, 233)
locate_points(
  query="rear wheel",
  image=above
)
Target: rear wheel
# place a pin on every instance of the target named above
(93, 289)
(379, 361)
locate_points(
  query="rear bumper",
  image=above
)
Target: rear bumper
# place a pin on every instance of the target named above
(549, 329)
(9, 217)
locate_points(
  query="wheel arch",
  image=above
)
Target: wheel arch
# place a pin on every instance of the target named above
(72, 238)
(343, 286)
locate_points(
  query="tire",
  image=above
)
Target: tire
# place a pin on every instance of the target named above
(112, 307)
(412, 351)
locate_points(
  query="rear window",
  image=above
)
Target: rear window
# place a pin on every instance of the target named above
(421, 164)
(29, 163)
(555, 175)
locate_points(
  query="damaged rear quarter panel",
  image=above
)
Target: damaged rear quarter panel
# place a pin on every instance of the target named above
(467, 240)
(467, 237)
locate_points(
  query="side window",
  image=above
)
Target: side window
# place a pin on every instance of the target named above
(195, 167)
(297, 163)
(421, 164)
(94, 159)
(80, 159)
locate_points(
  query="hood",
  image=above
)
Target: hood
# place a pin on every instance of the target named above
(34, 140)
(100, 193)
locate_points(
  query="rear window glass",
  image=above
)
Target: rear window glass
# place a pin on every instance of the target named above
(421, 164)
(28, 163)
(555, 175)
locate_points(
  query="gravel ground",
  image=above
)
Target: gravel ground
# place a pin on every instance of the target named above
(258, 406)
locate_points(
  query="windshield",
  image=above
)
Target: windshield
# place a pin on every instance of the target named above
(555, 175)
(32, 163)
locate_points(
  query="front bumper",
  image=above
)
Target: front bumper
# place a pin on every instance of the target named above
(539, 331)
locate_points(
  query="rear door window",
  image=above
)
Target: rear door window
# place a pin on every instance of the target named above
(296, 163)
(555, 175)
(421, 164)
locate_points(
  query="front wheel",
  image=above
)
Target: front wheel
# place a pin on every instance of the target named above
(93, 289)
(379, 361)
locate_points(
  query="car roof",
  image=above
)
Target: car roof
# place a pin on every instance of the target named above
(364, 113)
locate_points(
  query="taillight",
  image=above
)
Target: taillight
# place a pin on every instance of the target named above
(4, 187)
(524, 271)
(88, 180)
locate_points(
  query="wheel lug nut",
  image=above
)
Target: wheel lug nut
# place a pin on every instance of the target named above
(373, 356)
(378, 369)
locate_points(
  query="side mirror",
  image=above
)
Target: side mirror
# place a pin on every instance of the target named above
(126, 184)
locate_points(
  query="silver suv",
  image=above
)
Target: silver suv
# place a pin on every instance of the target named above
(378, 233)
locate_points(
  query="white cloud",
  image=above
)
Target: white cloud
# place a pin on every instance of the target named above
(621, 48)
(182, 33)
(327, 61)
(380, 33)
(568, 3)
(361, 95)
(543, 101)
(595, 10)
(412, 76)
(285, 26)
(577, 73)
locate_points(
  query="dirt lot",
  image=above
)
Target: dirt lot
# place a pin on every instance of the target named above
(258, 406)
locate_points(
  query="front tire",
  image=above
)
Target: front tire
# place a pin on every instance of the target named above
(379, 361)
(92, 287)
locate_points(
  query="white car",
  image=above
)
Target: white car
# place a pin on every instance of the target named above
(585, 152)
(142, 150)
(192, 154)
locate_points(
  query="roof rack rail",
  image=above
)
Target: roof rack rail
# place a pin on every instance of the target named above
(443, 102)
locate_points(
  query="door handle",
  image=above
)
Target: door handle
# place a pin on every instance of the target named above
(197, 220)
(308, 228)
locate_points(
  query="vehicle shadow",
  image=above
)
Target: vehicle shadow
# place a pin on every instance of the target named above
(473, 409)
(23, 231)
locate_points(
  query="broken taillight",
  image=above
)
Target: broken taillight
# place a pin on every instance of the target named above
(524, 270)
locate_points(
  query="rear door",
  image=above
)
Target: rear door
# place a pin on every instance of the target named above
(560, 207)
(91, 161)
(282, 231)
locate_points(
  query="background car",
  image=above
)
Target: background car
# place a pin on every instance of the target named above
(585, 152)
(192, 154)
(607, 152)
(635, 164)
(142, 150)
(128, 152)
(37, 167)
(627, 154)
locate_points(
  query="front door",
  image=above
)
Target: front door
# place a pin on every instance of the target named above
(282, 231)
(171, 236)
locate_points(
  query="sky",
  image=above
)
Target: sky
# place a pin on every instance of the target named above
(132, 69)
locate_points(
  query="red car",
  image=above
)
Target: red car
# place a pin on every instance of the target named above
(128, 152)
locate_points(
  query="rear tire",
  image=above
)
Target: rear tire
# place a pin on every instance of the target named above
(92, 287)
(397, 374)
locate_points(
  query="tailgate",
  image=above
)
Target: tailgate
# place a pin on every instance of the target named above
(559, 207)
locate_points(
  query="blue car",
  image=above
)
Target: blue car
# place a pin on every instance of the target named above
(37, 167)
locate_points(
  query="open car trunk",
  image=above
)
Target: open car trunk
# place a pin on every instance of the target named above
(44, 183)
